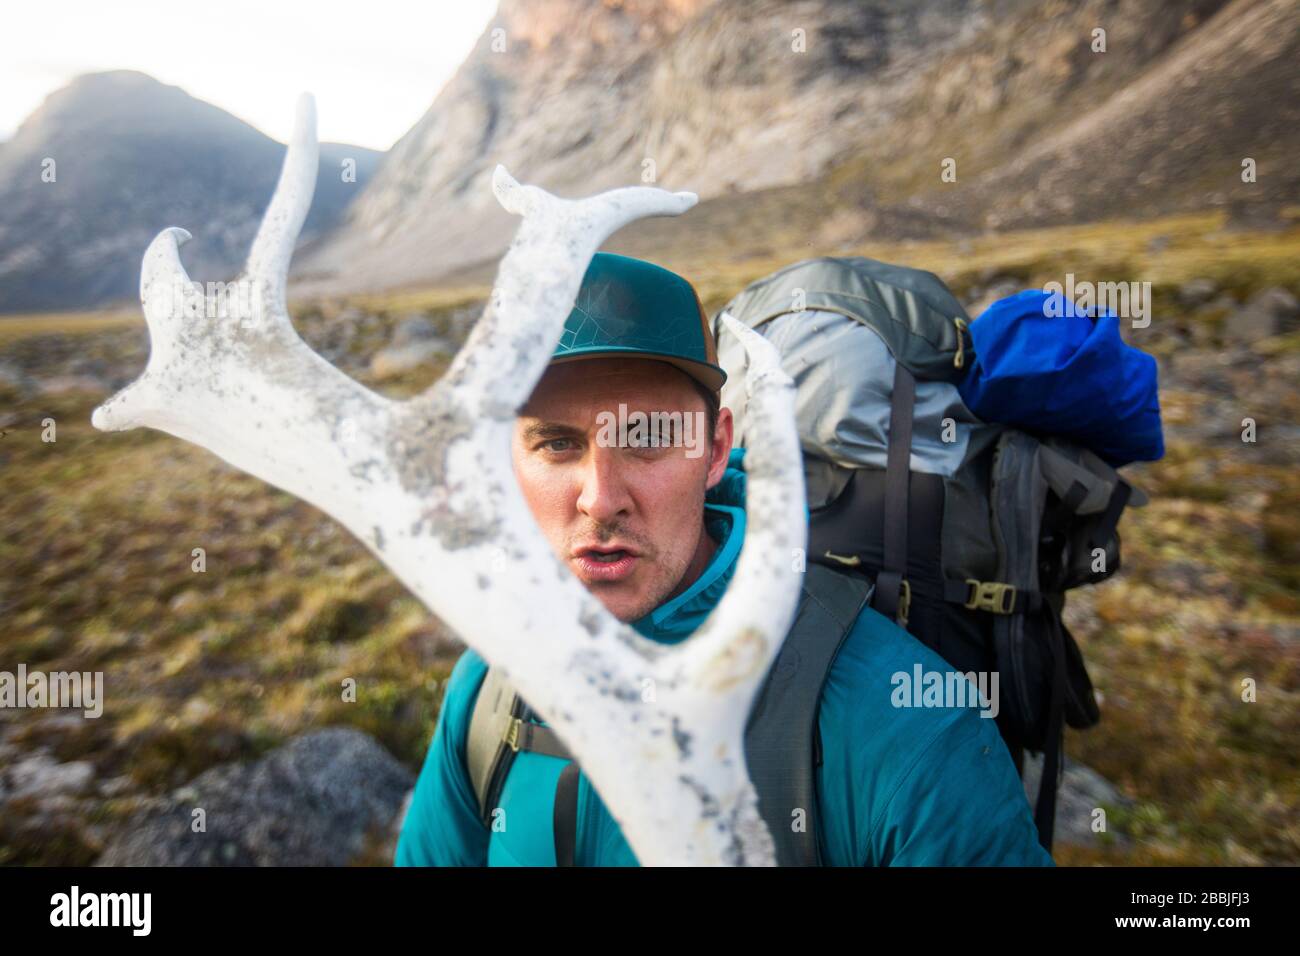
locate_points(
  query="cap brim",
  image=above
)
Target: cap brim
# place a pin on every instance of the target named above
(711, 377)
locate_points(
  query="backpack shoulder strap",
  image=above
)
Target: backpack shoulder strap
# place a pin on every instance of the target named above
(893, 597)
(500, 726)
(487, 751)
(781, 738)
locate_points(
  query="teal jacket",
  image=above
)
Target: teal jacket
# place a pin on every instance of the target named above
(898, 786)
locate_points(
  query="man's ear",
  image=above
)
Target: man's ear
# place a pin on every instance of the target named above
(720, 449)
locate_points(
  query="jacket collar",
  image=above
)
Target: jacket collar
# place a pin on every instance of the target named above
(724, 516)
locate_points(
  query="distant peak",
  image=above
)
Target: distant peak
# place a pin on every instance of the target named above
(116, 78)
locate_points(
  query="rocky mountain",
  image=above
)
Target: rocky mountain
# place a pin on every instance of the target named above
(801, 123)
(833, 121)
(105, 163)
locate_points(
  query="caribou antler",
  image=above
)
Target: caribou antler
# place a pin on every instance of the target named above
(427, 485)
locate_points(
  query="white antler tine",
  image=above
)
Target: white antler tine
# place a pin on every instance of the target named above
(268, 261)
(121, 412)
(167, 296)
(618, 207)
(511, 195)
(763, 365)
(742, 636)
(164, 283)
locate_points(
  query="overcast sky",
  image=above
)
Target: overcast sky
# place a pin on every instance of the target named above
(374, 65)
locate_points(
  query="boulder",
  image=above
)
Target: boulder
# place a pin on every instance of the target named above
(1081, 793)
(319, 800)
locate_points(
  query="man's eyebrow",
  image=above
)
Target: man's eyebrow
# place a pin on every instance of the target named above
(547, 431)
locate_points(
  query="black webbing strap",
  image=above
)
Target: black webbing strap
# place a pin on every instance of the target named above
(1109, 521)
(1073, 498)
(537, 739)
(1045, 807)
(564, 820)
(893, 574)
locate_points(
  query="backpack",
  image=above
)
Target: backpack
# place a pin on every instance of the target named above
(970, 531)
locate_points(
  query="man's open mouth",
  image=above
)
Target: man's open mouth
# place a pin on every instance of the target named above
(604, 556)
(604, 564)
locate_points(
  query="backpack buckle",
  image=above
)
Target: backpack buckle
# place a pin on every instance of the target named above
(904, 601)
(992, 596)
(511, 736)
(850, 560)
(959, 359)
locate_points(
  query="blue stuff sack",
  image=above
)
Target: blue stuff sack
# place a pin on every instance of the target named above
(1048, 367)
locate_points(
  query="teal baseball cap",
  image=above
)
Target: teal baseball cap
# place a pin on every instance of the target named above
(631, 308)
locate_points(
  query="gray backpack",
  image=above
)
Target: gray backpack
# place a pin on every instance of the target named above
(970, 531)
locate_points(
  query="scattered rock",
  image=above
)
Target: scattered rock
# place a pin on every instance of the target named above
(1266, 314)
(46, 807)
(316, 801)
(982, 298)
(41, 778)
(1207, 320)
(186, 601)
(1193, 579)
(399, 359)
(461, 320)
(1198, 371)
(13, 377)
(62, 384)
(415, 328)
(1220, 303)
(197, 711)
(116, 786)
(1081, 792)
(431, 642)
(1196, 292)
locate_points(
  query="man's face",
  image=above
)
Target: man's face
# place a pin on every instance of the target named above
(627, 520)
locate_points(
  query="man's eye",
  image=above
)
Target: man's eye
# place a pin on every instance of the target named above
(662, 438)
(564, 443)
(651, 443)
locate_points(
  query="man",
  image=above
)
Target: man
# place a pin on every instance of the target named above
(654, 529)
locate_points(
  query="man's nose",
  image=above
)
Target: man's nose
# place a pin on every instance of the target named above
(604, 496)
